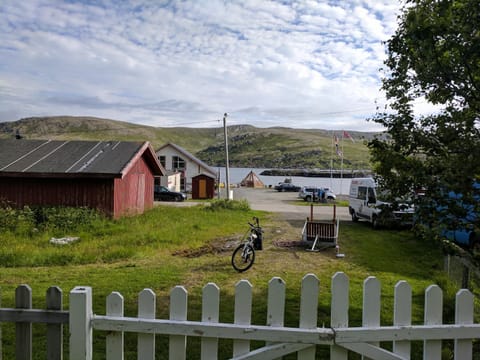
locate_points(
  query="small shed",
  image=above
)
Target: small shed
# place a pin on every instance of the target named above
(115, 177)
(171, 180)
(252, 180)
(203, 187)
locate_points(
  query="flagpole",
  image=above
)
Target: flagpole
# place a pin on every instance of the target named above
(331, 161)
(341, 169)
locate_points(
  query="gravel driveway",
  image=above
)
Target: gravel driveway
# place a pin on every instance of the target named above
(284, 203)
(287, 204)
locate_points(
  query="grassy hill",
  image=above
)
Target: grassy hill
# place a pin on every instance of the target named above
(276, 147)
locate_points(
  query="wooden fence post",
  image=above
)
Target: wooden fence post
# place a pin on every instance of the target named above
(80, 323)
(243, 314)
(23, 331)
(54, 331)
(210, 313)
(146, 310)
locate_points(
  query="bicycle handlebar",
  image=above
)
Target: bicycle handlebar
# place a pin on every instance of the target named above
(255, 227)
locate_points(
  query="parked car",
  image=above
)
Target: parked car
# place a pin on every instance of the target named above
(162, 193)
(286, 187)
(313, 193)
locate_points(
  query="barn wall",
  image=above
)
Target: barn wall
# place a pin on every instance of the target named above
(134, 192)
(93, 193)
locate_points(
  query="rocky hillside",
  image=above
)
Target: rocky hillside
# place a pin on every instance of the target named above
(249, 146)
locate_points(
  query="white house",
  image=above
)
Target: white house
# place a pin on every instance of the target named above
(176, 159)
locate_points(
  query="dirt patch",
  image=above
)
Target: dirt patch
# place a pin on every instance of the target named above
(291, 244)
(216, 247)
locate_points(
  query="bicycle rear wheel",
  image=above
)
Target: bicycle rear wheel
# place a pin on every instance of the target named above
(243, 257)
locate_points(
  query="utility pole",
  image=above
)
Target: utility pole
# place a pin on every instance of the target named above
(227, 175)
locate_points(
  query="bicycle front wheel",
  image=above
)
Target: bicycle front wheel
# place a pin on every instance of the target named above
(243, 257)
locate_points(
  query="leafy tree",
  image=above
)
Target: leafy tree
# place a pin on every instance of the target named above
(434, 56)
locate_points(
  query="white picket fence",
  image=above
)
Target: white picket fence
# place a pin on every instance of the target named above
(278, 340)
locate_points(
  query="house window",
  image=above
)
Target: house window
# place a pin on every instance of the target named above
(162, 160)
(178, 163)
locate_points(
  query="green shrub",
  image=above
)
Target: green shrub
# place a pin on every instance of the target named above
(17, 221)
(60, 220)
(225, 204)
(57, 220)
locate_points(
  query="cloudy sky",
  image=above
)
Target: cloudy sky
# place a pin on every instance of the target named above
(303, 64)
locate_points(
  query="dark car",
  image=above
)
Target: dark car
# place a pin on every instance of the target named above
(287, 187)
(162, 193)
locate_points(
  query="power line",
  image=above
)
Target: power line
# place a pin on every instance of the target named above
(196, 122)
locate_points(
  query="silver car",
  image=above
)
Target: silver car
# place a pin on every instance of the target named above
(311, 193)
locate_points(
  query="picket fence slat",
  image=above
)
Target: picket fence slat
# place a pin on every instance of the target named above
(371, 304)
(54, 302)
(146, 310)
(432, 349)
(115, 339)
(210, 313)
(463, 315)
(242, 315)
(339, 311)
(308, 311)
(276, 302)
(275, 306)
(23, 331)
(178, 311)
(278, 340)
(402, 315)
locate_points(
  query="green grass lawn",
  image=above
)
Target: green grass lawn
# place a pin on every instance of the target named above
(191, 246)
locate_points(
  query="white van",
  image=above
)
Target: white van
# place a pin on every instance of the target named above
(364, 203)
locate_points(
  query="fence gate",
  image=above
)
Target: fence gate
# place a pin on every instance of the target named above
(278, 340)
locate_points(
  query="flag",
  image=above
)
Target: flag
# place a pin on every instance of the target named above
(347, 135)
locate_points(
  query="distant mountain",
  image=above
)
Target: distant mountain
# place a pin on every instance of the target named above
(276, 147)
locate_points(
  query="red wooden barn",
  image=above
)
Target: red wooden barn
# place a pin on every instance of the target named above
(115, 177)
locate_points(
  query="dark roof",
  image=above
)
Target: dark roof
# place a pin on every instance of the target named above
(102, 158)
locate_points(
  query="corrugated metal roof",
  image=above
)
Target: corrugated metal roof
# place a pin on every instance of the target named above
(66, 157)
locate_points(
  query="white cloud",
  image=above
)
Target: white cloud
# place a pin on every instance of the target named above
(302, 63)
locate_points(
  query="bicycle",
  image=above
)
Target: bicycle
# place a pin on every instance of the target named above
(243, 256)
